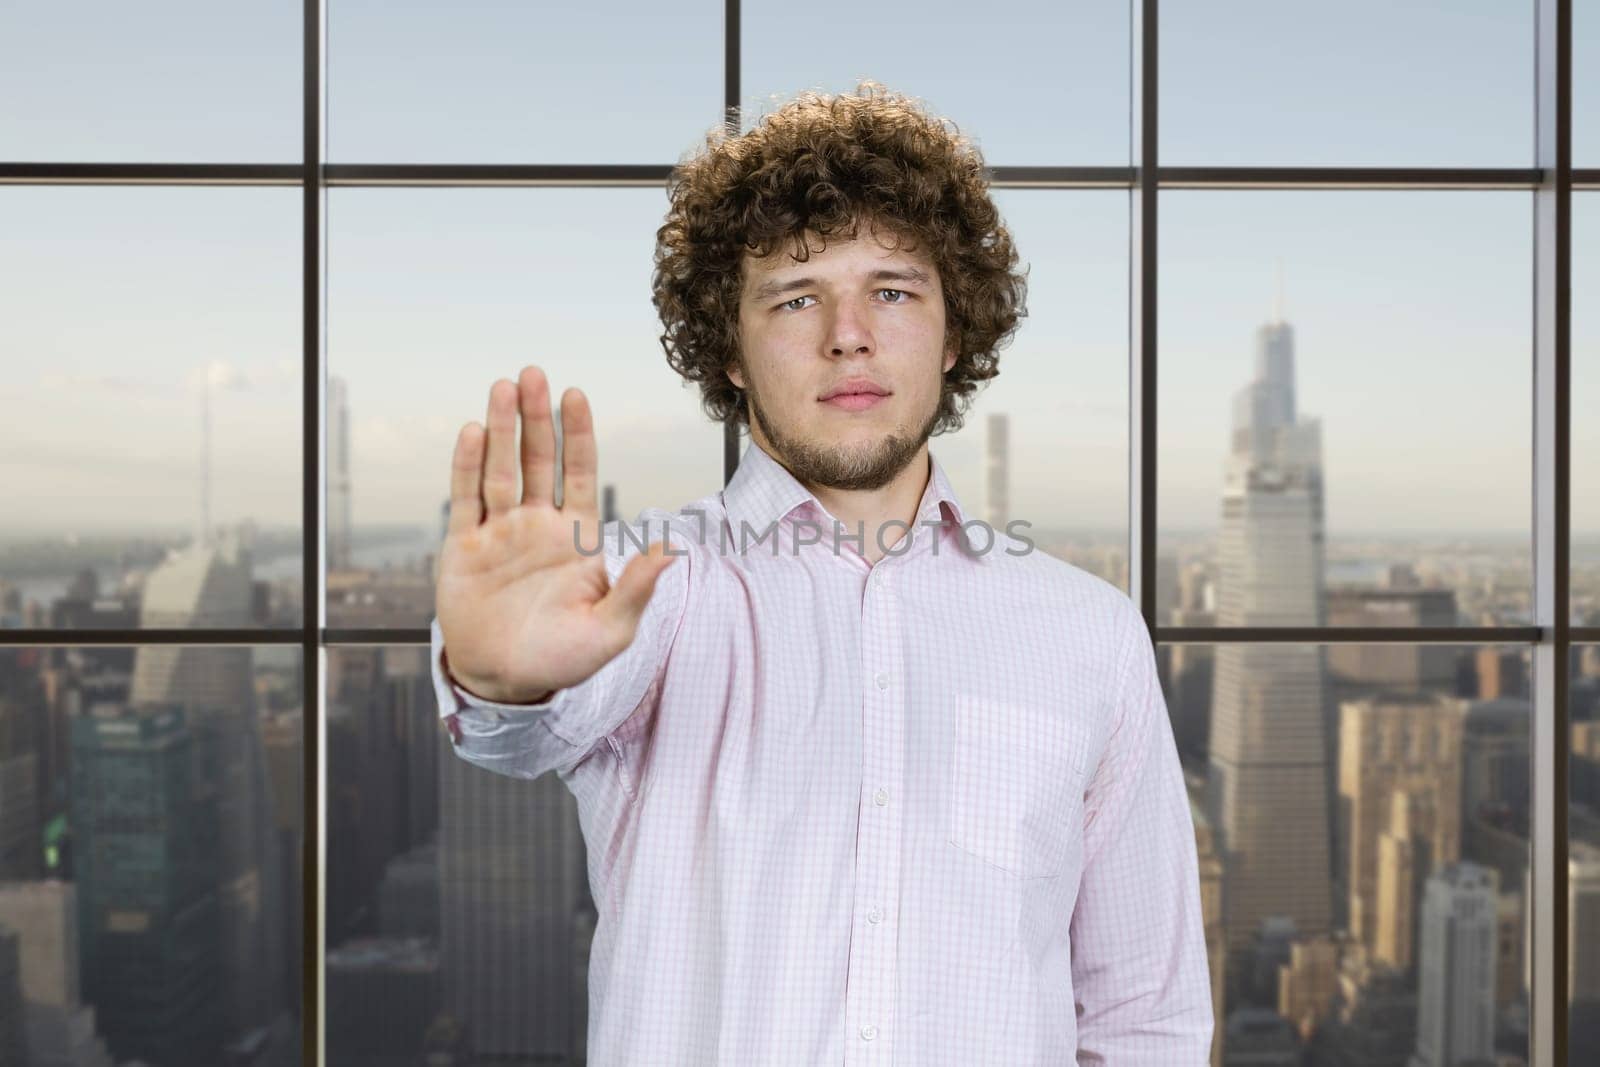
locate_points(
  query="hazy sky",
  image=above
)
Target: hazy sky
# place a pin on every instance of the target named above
(1410, 308)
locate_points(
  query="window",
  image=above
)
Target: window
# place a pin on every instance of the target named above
(1364, 83)
(1375, 346)
(1289, 384)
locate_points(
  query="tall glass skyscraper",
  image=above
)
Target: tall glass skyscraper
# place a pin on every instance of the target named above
(1267, 782)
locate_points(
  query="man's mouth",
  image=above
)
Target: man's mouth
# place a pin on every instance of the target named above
(855, 394)
(855, 401)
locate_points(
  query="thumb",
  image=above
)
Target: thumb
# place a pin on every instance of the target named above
(624, 604)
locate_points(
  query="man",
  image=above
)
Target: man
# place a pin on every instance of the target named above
(862, 780)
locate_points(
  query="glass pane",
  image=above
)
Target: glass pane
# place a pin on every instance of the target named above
(1344, 404)
(1583, 858)
(432, 296)
(1362, 816)
(1046, 442)
(150, 350)
(480, 81)
(1585, 430)
(468, 887)
(1362, 83)
(152, 828)
(183, 81)
(1586, 83)
(1032, 83)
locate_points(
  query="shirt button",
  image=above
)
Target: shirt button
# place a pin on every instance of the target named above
(868, 1032)
(875, 916)
(882, 680)
(881, 797)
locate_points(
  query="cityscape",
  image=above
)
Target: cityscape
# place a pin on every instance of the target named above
(1360, 457)
(1361, 812)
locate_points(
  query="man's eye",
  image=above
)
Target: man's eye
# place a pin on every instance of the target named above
(898, 292)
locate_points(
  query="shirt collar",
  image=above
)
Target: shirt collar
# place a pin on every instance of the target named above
(762, 492)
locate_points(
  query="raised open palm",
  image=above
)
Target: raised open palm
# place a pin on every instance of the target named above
(522, 611)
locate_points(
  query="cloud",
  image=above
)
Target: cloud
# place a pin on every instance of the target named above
(223, 375)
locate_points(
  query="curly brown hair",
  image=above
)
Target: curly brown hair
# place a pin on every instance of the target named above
(825, 164)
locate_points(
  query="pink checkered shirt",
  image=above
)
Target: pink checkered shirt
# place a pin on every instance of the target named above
(925, 811)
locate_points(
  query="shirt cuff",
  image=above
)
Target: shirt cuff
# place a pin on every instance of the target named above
(456, 702)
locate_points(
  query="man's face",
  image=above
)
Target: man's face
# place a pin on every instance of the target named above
(855, 311)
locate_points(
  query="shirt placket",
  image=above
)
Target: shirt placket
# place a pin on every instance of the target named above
(873, 980)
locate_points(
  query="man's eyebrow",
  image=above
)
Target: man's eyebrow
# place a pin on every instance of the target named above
(767, 290)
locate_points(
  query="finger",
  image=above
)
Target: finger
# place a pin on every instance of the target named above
(626, 601)
(500, 490)
(466, 470)
(578, 459)
(538, 438)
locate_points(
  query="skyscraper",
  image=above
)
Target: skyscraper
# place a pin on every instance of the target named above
(1583, 932)
(513, 882)
(210, 585)
(56, 1027)
(1455, 1000)
(12, 1047)
(21, 754)
(146, 846)
(1267, 787)
(338, 475)
(1400, 791)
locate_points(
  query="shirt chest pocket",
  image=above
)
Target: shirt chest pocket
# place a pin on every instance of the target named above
(1016, 783)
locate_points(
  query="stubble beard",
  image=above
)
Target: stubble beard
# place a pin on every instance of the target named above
(869, 466)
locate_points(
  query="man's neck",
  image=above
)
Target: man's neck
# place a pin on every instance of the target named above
(891, 509)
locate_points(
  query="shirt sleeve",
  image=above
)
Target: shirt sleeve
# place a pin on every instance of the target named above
(558, 733)
(1140, 976)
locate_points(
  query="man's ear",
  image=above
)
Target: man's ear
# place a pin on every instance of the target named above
(949, 358)
(734, 376)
